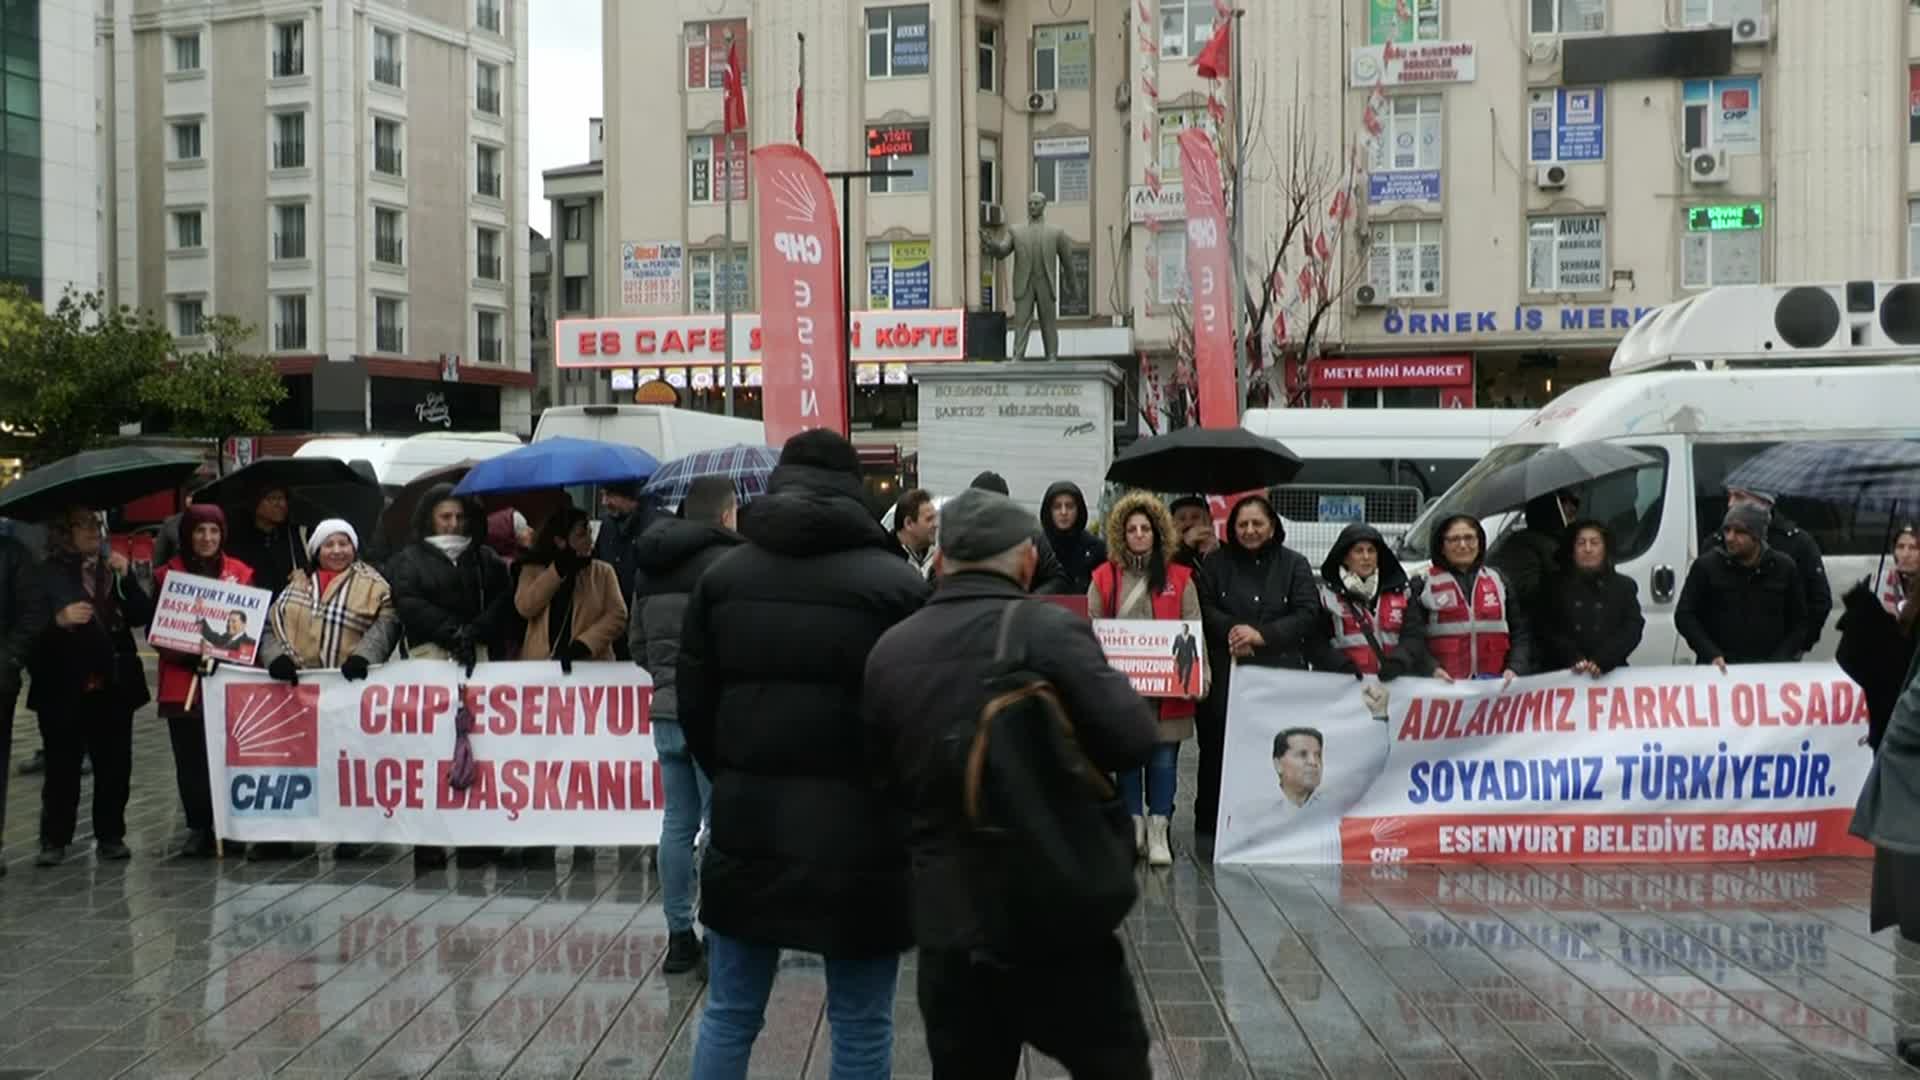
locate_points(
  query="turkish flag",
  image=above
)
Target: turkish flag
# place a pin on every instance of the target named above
(1209, 281)
(802, 311)
(1216, 59)
(736, 106)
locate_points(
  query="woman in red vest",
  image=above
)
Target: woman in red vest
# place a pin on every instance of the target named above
(1364, 591)
(1140, 580)
(1461, 625)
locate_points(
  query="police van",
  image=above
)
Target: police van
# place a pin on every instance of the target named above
(1703, 384)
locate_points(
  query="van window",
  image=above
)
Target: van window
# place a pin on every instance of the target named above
(1838, 529)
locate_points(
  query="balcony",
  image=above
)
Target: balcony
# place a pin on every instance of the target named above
(490, 350)
(289, 245)
(487, 100)
(290, 154)
(387, 249)
(488, 184)
(287, 65)
(386, 71)
(489, 267)
(290, 335)
(386, 160)
(389, 339)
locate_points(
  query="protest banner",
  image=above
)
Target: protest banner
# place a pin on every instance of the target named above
(207, 617)
(557, 759)
(1161, 658)
(1662, 764)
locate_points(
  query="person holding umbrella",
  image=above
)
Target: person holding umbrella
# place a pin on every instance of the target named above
(268, 542)
(87, 673)
(201, 548)
(1876, 647)
(1464, 623)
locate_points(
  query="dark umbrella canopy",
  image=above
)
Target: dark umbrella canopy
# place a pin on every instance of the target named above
(747, 466)
(317, 488)
(1549, 471)
(1880, 474)
(98, 479)
(1214, 461)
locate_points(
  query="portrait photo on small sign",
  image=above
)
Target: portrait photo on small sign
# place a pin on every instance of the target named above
(204, 617)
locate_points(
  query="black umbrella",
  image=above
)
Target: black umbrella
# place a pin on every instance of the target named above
(1212, 461)
(1549, 471)
(1875, 473)
(317, 488)
(97, 479)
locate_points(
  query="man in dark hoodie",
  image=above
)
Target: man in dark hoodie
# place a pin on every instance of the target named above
(1049, 577)
(805, 851)
(1063, 517)
(1462, 621)
(264, 539)
(672, 554)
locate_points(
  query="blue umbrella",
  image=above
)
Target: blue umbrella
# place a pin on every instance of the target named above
(553, 463)
(1881, 474)
(747, 466)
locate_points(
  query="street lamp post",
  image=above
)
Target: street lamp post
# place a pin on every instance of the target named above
(846, 178)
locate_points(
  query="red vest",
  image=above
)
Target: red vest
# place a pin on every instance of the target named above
(1467, 640)
(1390, 614)
(1166, 607)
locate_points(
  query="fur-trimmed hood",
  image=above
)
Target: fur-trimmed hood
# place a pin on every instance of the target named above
(1128, 505)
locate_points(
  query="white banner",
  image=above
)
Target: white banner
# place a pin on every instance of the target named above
(558, 759)
(1665, 764)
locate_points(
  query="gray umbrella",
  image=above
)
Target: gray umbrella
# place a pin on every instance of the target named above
(1552, 470)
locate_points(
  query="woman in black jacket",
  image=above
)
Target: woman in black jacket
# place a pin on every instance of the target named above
(1258, 605)
(1589, 615)
(1876, 648)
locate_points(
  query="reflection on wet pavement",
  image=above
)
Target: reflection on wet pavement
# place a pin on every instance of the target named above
(315, 968)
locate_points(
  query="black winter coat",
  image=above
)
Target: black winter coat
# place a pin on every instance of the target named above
(805, 851)
(1749, 615)
(1588, 616)
(1393, 579)
(272, 556)
(437, 598)
(673, 554)
(1874, 652)
(926, 685)
(1271, 590)
(23, 606)
(64, 662)
(1079, 552)
(1810, 569)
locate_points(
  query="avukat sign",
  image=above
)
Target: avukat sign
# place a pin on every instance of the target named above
(803, 309)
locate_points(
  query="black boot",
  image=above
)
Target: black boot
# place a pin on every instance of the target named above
(199, 845)
(684, 952)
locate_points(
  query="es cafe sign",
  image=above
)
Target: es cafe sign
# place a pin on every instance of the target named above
(685, 340)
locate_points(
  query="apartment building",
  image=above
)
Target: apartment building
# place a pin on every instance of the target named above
(346, 177)
(50, 224)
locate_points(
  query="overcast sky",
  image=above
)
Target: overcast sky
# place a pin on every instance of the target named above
(564, 78)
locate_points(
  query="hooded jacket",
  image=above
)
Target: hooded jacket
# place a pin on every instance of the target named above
(443, 602)
(1271, 590)
(1419, 656)
(1078, 550)
(672, 554)
(1392, 578)
(805, 852)
(1587, 615)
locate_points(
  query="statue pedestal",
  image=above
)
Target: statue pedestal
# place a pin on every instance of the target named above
(1032, 422)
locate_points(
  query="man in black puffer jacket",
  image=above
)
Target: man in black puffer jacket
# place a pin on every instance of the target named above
(805, 852)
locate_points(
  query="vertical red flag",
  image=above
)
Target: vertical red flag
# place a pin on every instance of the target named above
(736, 104)
(804, 365)
(1216, 59)
(1209, 281)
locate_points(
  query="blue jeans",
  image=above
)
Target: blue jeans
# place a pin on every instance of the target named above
(689, 798)
(1162, 774)
(739, 981)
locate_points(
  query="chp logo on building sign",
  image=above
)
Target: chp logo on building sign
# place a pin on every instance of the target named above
(273, 748)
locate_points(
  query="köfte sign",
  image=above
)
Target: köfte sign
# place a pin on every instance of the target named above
(677, 340)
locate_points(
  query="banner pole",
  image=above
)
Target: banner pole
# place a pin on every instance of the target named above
(726, 288)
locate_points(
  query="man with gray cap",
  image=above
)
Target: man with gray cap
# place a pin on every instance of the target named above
(1743, 602)
(927, 680)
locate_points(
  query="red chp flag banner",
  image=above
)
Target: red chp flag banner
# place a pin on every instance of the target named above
(557, 759)
(1658, 764)
(805, 355)
(1209, 281)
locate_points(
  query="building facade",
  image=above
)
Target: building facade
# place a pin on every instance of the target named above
(576, 270)
(348, 179)
(50, 221)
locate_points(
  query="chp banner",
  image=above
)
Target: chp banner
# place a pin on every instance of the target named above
(803, 349)
(557, 759)
(1210, 278)
(1676, 764)
(207, 617)
(1161, 658)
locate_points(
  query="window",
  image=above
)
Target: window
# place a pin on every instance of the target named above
(1568, 16)
(899, 148)
(486, 15)
(389, 324)
(1411, 139)
(289, 49)
(701, 268)
(1721, 246)
(573, 294)
(386, 57)
(1062, 168)
(573, 222)
(1913, 234)
(486, 246)
(1185, 27)
(1172, 123)
(186, 141)
(186, 230)
(1077, 302)
(189, 317)
(486, 170)
(186, 52)
(1404, 259)
(1388, 23)
(989, 58)
(1720, 12)
(900, 275)
(289, 140)
(1721, 114)
(1062, 57)
(1838, 528)
(1913, 96)
(386, 147)
(707, 179)
(1170, 254)
(989, 168)
(486, 88)
(490, 344)
(1567, 254)
(386, 237)
(897, 43)
(290, 231)
(290, 321)
(707, 53)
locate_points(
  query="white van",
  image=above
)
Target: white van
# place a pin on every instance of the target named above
(661, 430)
(1706, 383)
(398, 460)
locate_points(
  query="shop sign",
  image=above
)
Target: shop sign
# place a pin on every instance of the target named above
(1418, 64)
(686, 340)
(1567, 125)
(897, 142)
(1065, 146)
(1520, 320)
(1144, 205)
(1725, 218)
(1418, 186)
(651, 272)
(1344, 373)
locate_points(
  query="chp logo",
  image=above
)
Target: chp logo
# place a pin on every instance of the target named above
(1388, 844)
(273, 749)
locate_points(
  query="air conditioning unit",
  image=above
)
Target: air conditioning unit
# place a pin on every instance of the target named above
(1368, 296)
(1707, 166)
(1752, 30)
(1042, 101)
(991, 214)
(1550, 177)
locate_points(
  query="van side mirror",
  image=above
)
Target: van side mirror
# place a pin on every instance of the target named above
(1663, 584)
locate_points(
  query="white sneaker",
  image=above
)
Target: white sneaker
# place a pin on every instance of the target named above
(1140, 835)
(1158, 853)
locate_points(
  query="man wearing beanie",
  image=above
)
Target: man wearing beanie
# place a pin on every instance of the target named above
(804, 852)
(928, 681)
(1789, 539)
(1049, 577)
(1743, 602)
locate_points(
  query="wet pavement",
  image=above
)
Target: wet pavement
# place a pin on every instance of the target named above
(165, 967)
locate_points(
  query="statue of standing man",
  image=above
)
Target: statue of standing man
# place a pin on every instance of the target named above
(1042, 262)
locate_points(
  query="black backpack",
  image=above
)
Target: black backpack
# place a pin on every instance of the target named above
(1049, 832)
